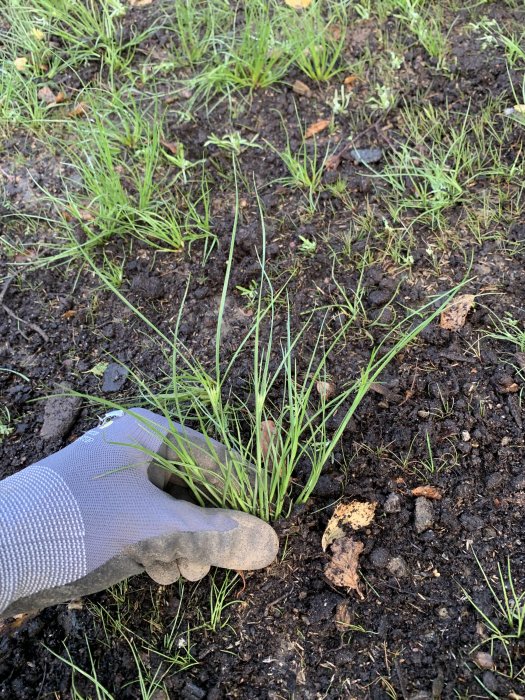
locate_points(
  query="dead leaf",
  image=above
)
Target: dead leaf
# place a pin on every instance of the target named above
(520, 109)
(139, 3)
(325, 390)
(45, 94)
(350, 80)
(69, 314)
(20, 63)
(343, 617)
(454, 316)
(37, 34)
(79, 110)
(356, 514)
(520, 358)
(316, 128)
(431, 492)
(483, 660)
(342, 567)
(301, 88)
(298, 4)
(60, 97)
(332, 162)
(172, 146)
(268, 432)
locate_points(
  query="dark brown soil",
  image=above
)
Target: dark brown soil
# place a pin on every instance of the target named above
(415, 631)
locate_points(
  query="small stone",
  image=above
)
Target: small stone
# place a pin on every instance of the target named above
(519, 483)
(60, 413)
(443, 613)
(114, 377)
(490, 682)
(471, 522)
(465, 436)
(483, 660)
(505, 441)
(424, 515)
(191, 691)
(343, 616)
(380, 557)
(392, 503)
(365, 155)
(398, 567)
(423, 413)
(494, 481)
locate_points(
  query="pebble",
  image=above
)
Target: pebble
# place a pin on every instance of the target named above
(424, 515)
(490, 681)
(114, 377)
(365, 155)
(519, 483)
(483, 660)
(494, 481)
(379, 557)
(60, 413)
(465, 436)
(392, 503)
(471, 522)
(398, 567)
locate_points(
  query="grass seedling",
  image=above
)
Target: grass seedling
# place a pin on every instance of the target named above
(282, 392)
(305, 167)
(509, 330)
(5, 423)
(220, 599)
(232, 143)
(507, 626)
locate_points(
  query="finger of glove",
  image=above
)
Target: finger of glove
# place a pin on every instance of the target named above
(211, 536)
(192, 570)
(163, 572)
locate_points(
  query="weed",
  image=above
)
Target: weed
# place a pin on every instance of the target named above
(508, 329)
(5, 423)
(305, 167)
(283, 391)
(220, 600)
(307, 246)
(507, 626)
(232, 143)
(318, 42)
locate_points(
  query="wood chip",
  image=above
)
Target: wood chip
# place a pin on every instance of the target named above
(454, 316)
(79, 110)
(20, 63)
(45, 94)
(431, 492)
(301, 88)
(325, 389)
(316, 128)
(268, 432)
(341, 570)
(298, 4)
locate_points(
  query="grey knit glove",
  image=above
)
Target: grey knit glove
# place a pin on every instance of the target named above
(89, 516)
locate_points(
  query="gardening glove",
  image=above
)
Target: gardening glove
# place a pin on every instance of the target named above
(90, 515)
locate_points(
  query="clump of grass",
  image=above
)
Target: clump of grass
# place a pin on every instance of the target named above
(126, 185)
(438, 163)
(283, 401)
(318, 39)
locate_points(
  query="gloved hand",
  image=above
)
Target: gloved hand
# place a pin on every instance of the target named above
(89, 516)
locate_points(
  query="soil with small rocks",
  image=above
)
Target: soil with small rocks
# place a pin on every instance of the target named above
(289, 633)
